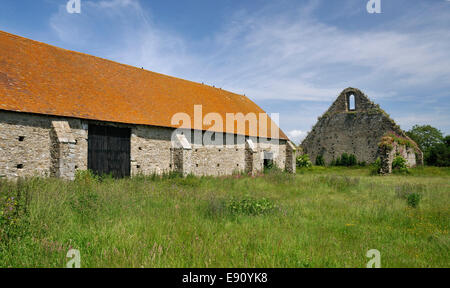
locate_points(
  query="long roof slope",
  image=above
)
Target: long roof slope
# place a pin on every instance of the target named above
(40, 78)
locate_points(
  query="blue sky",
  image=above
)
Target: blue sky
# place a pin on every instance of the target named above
(290, 57)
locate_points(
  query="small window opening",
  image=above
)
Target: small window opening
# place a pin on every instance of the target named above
(268, 163)
(21, 138)
(218, 165)
(268, 160)
(140, 148)
(138, 166)
(19, 166)
(196, 165)
(351, 102)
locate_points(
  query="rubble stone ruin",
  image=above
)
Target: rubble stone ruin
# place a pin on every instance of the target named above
(355, 125)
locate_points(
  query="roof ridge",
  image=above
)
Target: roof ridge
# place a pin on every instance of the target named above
(116, 62)
(80, 83)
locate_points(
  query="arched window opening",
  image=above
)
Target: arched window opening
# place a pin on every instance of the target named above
(351, 102)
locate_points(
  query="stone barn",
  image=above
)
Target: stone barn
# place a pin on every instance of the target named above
(355, 125)
(63, 111)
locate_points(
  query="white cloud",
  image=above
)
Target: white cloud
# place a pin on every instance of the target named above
(297, 135)
(272, 55)
(265, 56)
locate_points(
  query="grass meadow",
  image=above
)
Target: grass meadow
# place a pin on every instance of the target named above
(320, 217)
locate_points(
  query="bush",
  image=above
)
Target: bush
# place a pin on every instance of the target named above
(414, 200)
(303, 161)
(352, 160)
(250, 206)
(239, 206)
(320, 161)
(347, 160)
(375, 167)
(398, 163)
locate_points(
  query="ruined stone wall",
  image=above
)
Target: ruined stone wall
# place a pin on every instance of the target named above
(388, 154)
(341, 130)
(39, 145)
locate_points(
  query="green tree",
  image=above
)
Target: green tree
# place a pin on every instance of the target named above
(439, 154)
(425, 136)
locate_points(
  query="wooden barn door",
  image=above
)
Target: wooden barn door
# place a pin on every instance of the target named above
(109, 150)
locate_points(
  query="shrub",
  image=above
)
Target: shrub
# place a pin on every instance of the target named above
(222, 207)
(375, 167)
(303, 161)
(352, 160)
(414, 200)
(399, 165)
(320, 161)
(250, 206)
(344, 159)
(347, 160)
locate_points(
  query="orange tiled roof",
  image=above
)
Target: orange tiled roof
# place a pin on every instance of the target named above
(39, 78)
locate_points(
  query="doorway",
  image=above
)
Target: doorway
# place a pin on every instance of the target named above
(109, 150)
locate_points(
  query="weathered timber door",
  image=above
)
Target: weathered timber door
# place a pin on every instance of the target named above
(109, 150)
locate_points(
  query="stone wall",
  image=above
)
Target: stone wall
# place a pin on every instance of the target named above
(24, 145)
(342, 130)
(39, 145)
(30, 146)
(151, 150)
(388, 153)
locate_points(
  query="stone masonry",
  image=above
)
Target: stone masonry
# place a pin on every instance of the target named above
(41, 145)
(353, 130)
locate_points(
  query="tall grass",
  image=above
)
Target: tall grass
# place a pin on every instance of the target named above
(321, 217)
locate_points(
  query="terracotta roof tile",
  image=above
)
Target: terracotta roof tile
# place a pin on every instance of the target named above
(39, 78)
